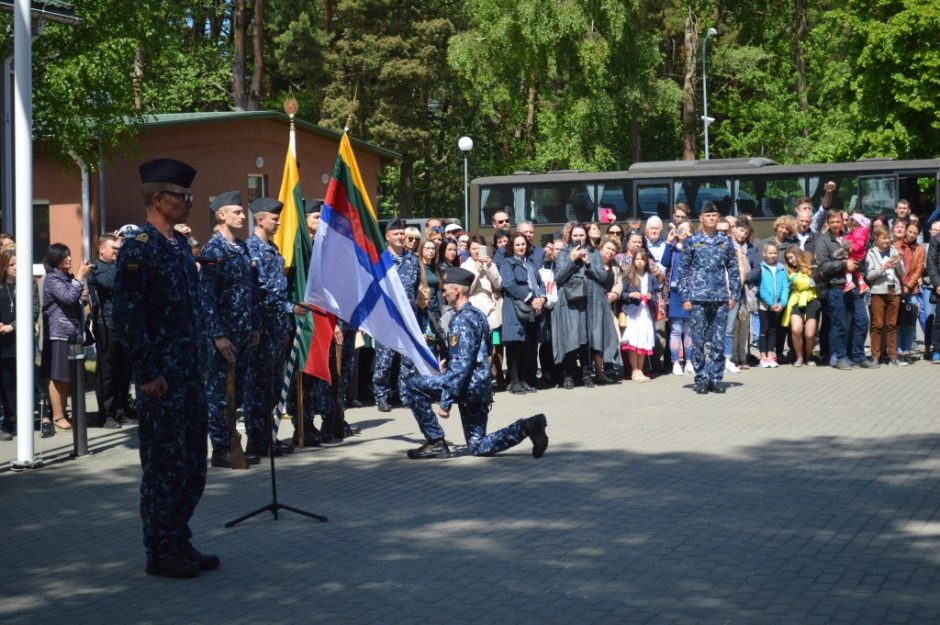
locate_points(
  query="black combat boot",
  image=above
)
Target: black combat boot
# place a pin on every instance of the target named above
(432, 449)
(206, 562)
(534, 428)
(175, 565)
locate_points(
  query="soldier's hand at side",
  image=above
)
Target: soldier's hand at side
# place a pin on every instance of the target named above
(442, 413)
(442, 366)
(226, 348)
(300, 311)
(155, 388)
(686, 305)
(731, 304)
(255, 338)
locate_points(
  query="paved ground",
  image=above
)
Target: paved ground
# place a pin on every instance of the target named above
(801, 496)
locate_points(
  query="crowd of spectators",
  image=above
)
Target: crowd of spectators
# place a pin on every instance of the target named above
(594, 304)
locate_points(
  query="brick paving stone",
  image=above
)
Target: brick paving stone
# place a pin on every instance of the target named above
(652, 505)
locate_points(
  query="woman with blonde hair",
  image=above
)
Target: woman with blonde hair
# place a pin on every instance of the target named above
(412, 238)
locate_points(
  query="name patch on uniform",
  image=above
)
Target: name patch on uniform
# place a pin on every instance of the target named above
(131, 267)
(453, 340)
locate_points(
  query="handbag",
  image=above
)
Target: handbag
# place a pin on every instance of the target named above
(575, 289)
(907, 315)
(524, 312)
(660, 310)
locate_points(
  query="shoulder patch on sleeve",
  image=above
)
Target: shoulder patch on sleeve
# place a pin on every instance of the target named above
(453, 340)
(143, 237)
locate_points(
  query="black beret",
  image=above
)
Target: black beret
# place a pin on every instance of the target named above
(313, 206)
(167, 170)
(458, 275)
(229, 198)
(265, 205)
(708, 207)
(395, 224)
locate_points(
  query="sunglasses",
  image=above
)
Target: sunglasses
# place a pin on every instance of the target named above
(502, 221)
(182, 197)
(411, 238)
(615, 232)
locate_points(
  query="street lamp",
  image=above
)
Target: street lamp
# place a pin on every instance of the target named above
(705, 118)
(465, 144)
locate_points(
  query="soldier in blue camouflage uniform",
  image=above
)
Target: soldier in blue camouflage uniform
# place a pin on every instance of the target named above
(267, 363)
(708, 275)
(408, 271)
(466, 382)
(158, 320)
(229, 300)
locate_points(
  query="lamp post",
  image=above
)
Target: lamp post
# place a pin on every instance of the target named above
(466, 144)
(705, 118)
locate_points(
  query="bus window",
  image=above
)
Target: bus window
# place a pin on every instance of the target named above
(770, 197)
(845, 196)
(502, 198)
(561, 202)
(694, 191)
(617, 197)
(653, 199)
(878, 194)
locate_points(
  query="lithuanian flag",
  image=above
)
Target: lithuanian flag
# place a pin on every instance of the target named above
(293, 241)
(353, 276)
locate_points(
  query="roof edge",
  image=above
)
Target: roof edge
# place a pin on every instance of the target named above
(185, 119)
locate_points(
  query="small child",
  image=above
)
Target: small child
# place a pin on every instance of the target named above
(773, 296)
(855, 246)
(639, 292)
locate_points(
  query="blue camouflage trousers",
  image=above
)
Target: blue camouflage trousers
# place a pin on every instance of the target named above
(382, 372)
(424, 390)
(172, 435)
(708, 320)
(265, 380)
(216, 383)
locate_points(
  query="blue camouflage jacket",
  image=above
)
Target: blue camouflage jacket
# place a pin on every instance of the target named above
(408, 271)
(157, 315)
(708, 269)
(227, 289)
(269, 266)
(467, 376)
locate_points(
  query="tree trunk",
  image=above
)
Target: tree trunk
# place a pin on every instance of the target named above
(254, 97)
(138, 78)
(636, 147)
(801, 83)
(530, 115)
(238, 65)
(328, 16)
(405, 190)
(689, 126)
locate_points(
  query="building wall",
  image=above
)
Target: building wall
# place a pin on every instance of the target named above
(224, 154)
(61, 186)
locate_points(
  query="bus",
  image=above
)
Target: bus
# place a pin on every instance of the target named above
(759, 187)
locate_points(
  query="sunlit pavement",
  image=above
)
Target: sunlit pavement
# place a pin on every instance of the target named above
(801, 496)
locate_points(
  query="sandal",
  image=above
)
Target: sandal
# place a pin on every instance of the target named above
(62, 428)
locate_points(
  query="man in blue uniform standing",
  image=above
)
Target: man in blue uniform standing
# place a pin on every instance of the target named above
(408, 271)
(465, 380)
(267, 363)
(157, 318)
(708, 275)
(233, 324)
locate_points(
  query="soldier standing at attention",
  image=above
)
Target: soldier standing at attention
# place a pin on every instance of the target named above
(157, 318)
(232, 319)
(267, 362)
(466, 382)
(407, 264)
(708, 275)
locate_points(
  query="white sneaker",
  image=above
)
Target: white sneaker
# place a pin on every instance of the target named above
(689, 368)
(730, 367)
(764, 363)
(773, 364)
(677, 368)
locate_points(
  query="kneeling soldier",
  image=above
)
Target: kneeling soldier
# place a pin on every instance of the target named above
(466, 382)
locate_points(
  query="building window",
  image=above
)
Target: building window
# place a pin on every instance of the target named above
(257, 186)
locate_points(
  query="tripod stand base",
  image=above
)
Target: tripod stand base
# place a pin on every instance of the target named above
(273, 508)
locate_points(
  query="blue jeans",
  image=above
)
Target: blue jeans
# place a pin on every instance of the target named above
(849, 324)
(729, 329)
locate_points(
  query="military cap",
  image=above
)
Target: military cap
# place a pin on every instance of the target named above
(167, 170)
(395, 224)
(229, 198)
(458, 275)
(708, 207)
(313, 206)
(265, 205)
